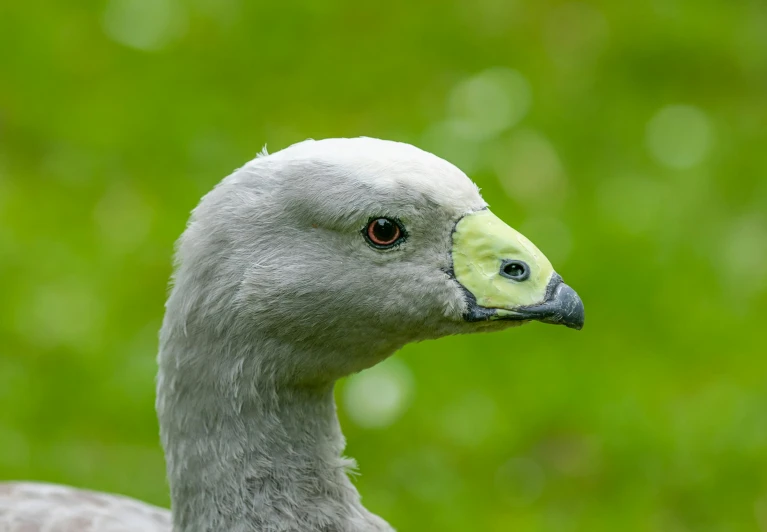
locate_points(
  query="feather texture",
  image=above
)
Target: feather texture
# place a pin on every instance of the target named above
(37, 507)
(276, 296)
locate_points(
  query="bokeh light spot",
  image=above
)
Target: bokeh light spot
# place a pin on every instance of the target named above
(453, 141)
(679, 136)
(147, 25)
(529, 169)
(490, 102)
(378, 396)
(744, 255)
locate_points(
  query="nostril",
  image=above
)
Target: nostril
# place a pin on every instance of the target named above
(515, 270)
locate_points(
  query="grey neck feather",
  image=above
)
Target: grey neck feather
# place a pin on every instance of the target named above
(276, 295)
(246, 455)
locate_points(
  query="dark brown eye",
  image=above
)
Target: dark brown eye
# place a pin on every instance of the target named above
(383, 233)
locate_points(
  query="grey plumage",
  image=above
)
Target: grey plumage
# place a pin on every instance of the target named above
(37, 507)
(275, 296)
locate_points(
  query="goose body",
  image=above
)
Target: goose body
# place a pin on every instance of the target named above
(33, 507)
(300, 268)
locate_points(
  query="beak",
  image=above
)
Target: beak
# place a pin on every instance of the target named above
(483, 248)
(562, 306)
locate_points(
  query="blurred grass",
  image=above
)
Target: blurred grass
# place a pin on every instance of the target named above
(627, 141)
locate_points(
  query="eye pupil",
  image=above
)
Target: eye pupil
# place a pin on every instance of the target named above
(515, 269)
(383, 232)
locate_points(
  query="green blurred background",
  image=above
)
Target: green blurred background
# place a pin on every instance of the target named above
(628, 141)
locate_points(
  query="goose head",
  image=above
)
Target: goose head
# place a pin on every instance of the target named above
(347, 249)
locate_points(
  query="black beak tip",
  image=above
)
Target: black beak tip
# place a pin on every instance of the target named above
(568, 310)
(562, 306)
(577, 325)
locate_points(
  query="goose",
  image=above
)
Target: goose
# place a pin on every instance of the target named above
(302, 267)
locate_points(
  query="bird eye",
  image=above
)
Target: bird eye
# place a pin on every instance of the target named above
(515, 270)
(383, 233)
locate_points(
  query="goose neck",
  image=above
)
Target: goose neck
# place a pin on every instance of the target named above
(246, 454)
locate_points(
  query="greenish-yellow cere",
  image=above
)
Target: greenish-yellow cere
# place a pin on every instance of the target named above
(481, 242)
